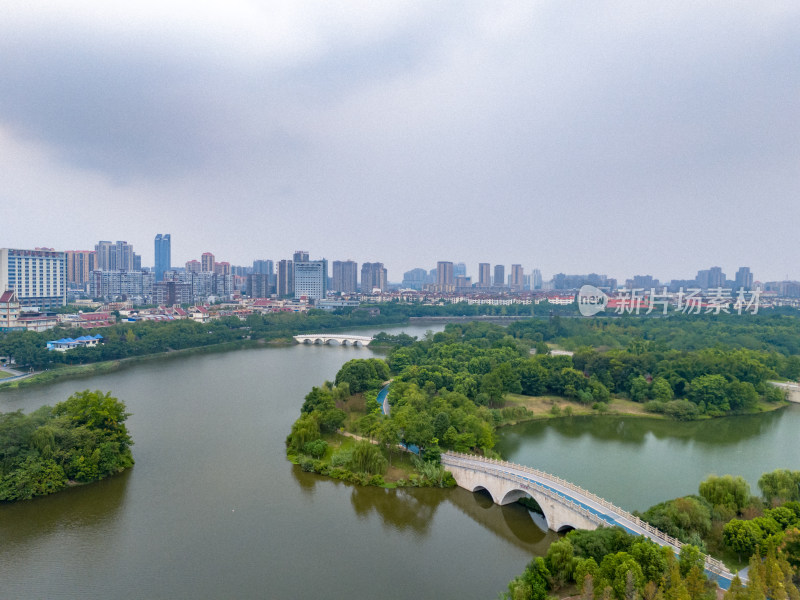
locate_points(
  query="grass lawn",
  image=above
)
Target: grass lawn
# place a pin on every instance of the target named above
(5, 374)
(541, 406)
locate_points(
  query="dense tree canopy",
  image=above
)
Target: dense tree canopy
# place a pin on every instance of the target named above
(81, 439)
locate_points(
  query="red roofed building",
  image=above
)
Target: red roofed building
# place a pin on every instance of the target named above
(94, 320)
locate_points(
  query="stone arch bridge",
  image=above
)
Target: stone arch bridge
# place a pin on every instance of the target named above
(324, 338)
(565, 505)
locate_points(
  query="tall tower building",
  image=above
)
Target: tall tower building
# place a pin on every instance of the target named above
(345, 276)
(117, 256)
(311, 279)
(445, 277)
(460, 270)
(300, 256)
(285, 283)
(163, 255)
(193, 266)
(499, 276)
(39, 277)
(744, 279)
(80, 264)
(263, 267)
(536, 279)
(373, 276)
(484, 275)
(517, 277)
(207, 262)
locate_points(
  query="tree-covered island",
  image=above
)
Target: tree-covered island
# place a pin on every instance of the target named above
(80, 440)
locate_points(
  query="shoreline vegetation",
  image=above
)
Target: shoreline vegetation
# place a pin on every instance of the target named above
(78, 441)
(454, 389)
(761, 533)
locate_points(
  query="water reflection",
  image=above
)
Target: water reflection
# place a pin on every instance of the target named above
(93, 507)
(633, 431)
(399, 509)
(512, 522)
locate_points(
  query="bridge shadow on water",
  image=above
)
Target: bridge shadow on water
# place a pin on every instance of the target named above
(413, 509)
(514, 522)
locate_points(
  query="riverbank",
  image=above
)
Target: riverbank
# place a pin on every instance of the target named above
(66, 372)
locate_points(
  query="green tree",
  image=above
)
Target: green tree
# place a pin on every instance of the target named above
(728, 491)
(780, 485)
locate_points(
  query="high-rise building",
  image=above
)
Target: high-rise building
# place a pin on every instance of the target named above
(536, 280)
(499, 276)
(39, 277)
(285, 283)
(415, 279)
(193, 266)
(744, 279)
(373, 276)
(163, 255)
(207, 262)
(460, 270)
(484, 275)
(258, 285)
(222, 268)
(120, 284)
(517, 280)
(117, 256)
(263, 267)
(311, 279)
(80, 264)
(716, 278)
(445, 279)
(300, 256)
(345, 276)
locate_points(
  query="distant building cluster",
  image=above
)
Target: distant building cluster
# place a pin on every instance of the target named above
(35, 282)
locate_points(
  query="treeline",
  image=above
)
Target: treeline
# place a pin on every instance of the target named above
(82, 439)
(723, 519)
(610, 564)
(125, 340)
(483, 361)
(776, 330)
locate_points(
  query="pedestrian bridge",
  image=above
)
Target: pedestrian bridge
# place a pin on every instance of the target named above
(344, 340)
(565, 505)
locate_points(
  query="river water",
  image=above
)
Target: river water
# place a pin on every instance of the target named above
(213, 510)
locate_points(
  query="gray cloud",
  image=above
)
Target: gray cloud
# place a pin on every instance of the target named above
(567, 137)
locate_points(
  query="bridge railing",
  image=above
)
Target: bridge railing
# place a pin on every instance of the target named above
(712, 564)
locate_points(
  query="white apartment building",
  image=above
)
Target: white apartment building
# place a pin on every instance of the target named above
(39, 277)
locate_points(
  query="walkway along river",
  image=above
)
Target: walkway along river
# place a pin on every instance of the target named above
(213, 510)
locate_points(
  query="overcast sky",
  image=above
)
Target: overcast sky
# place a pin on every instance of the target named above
(615, 137)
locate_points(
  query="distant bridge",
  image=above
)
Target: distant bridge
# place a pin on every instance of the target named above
(344, 340)
(564, 504)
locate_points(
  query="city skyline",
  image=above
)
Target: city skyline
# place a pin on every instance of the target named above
(614, 139)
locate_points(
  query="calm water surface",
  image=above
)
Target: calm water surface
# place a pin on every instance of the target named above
(213, 510)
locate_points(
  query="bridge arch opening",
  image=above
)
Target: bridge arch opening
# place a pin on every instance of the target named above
(564, 529)
(483, 496)
(531, 504)
(318, 341)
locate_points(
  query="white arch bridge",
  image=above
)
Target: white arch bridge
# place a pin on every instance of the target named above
(564, 504)
(324, 338)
